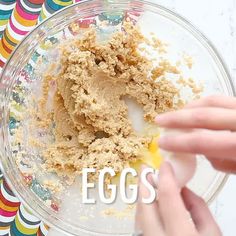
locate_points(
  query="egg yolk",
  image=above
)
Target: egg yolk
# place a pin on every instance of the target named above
(150, 156)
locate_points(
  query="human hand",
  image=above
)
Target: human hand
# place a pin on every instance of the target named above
(211, 130)
(170, 215)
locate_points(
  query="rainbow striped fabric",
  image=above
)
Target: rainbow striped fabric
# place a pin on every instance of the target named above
(17, 18)
(15, 219)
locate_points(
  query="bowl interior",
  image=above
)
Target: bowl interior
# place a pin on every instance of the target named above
(22, 77)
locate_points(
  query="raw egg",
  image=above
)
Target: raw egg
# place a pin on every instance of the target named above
(184, 165)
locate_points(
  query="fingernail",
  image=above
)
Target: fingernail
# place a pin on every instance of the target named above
(161, 141)
(159, 119)
(155, 178)
(152, 178)
(166, 167)
(143, 167)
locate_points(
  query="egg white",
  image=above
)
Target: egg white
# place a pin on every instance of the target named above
(183, 164)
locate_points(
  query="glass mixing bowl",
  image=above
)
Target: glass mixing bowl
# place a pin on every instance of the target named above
(21, 76)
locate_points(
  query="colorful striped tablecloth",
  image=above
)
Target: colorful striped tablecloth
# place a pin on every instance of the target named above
(17, 18)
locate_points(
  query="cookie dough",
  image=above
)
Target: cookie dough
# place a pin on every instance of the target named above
(92, 128)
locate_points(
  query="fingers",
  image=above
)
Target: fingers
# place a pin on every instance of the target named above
(169, 216)
(171, 206)
(214, 101)
(204, 117)
(200, 213)
(210, 143)
(147, 218)
(224, 165)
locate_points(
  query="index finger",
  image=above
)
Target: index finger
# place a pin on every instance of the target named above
(214, 101)
(203, 117)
